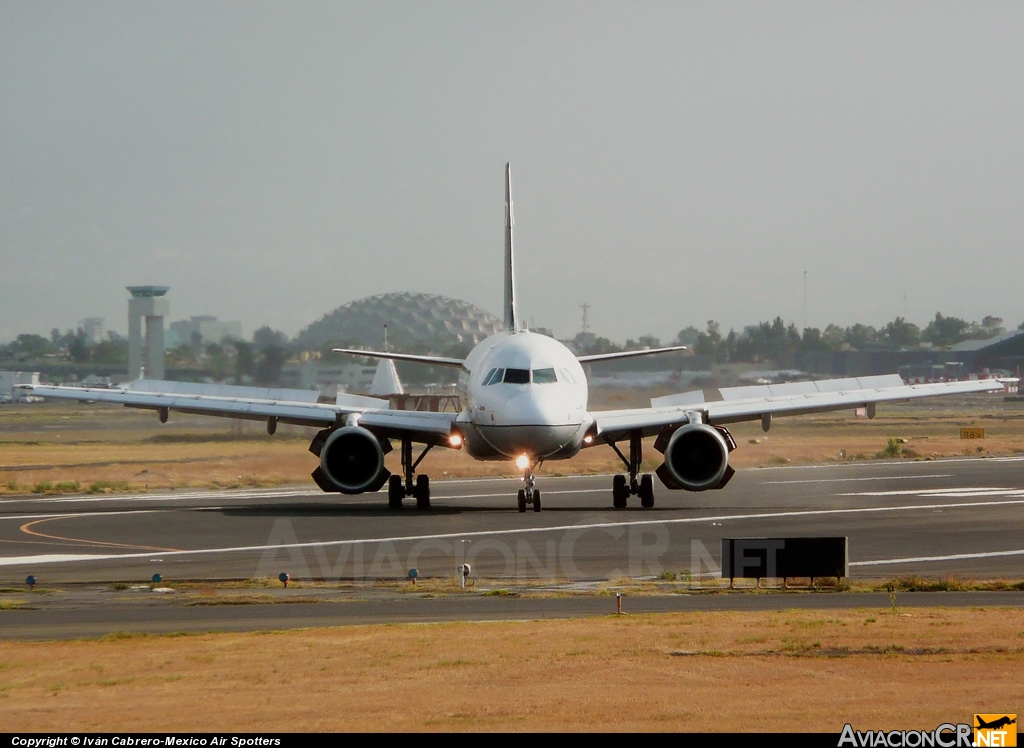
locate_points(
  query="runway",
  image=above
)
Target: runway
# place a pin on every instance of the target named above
(932, 518)
(961, 518)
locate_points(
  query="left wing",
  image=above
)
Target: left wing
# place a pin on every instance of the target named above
(300, 407)
(762, 402)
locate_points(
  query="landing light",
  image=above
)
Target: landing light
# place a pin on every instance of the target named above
(455, 440)
(522, 462)
(588, 439)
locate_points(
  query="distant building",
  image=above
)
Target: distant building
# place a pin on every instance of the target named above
(202, 329)
(1002, 353)
(328, 376)
(93, 329)
(414, 321)
(146, 342)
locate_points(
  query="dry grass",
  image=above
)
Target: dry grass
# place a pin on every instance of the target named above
(779, 671)
(53, 446)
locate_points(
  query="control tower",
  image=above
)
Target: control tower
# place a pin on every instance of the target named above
(148, 302)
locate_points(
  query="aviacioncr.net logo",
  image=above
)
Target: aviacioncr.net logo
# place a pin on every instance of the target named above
(946, 735)
(995, 730)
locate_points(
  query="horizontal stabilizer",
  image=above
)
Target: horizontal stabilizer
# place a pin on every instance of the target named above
(430, 360)
(628, 354)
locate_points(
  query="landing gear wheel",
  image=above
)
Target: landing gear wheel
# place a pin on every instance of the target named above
(422, 492)
(522, 500)
(536, 501)
(396, 492)
(646, 491)
(619, 491)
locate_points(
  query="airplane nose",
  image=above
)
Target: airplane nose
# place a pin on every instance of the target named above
(537, 424)
(535, 408)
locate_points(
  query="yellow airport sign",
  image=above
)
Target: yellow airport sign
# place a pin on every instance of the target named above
(972, 433)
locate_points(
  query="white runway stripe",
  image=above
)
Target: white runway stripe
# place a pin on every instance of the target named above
(955, 493)
(851, 480)
(926, 559)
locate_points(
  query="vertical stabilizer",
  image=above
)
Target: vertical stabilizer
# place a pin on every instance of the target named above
(510, 284)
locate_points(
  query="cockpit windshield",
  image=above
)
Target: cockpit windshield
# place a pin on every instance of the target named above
(544, 376)
(522, 376)
(517, 376)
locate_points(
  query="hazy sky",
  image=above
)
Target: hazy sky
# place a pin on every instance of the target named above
(672, 162)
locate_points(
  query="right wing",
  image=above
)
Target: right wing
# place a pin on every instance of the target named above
(299, 407)
(765, 401)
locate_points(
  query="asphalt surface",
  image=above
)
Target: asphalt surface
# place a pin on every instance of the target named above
(960, 517)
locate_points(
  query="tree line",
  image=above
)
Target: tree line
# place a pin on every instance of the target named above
(772, 340)
(257, 361)
(260, 360)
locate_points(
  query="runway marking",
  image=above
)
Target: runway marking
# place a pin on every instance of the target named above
(54, 558)
(221, 495)
(35, 516)
(924, 559)
(892, 463)
(850, 480)
(25, 542)
(954, 493)
(25, 529)
(10, 561)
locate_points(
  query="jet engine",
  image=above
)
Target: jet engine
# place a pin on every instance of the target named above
(351, 460)
(696, 457)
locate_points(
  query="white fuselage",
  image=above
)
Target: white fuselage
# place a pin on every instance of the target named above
(524, 394)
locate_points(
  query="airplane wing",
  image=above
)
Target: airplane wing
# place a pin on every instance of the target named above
(762, 402)
(300, 407)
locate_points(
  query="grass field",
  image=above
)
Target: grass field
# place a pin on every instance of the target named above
(775, 671)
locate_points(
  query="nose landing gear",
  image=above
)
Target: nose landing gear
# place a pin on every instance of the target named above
(529, 495)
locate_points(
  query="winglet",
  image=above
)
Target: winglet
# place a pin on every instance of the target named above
(510, 291)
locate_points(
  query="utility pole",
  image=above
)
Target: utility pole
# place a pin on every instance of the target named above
(805, 299)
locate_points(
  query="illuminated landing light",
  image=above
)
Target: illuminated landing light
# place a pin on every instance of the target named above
(588, 439)
(523, 462)
(455, 440)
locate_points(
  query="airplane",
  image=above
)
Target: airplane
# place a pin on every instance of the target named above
(524, 399)
(994, 724)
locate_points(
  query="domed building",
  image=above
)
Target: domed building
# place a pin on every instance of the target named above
(416, 322)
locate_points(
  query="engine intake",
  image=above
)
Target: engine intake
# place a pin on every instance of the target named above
(697, 458)
(351, 461)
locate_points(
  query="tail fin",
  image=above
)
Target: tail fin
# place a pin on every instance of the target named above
(510, 286)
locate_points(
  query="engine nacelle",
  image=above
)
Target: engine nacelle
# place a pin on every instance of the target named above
(351, 461)
(697, 458)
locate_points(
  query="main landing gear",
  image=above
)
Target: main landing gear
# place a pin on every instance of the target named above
(529, 494)
(399, 488)
(644, 487)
